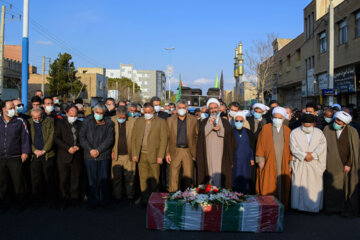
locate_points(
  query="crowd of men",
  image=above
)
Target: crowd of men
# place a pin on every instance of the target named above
(66, 153)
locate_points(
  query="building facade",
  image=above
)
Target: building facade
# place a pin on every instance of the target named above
(95, 81)
(300, 72)
(112, 73)
(247, 95)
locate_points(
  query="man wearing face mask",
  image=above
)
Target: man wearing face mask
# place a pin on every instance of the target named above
(204, 113)
(256, 120)
(308, 146)
(97, 140)
(244, 156)
(172, 108)
(19, 110)
(342, 166)
(49, 110)
(69, 156)
(111, 107)
(234, 108)
(15, 142)
(155, 101)
(42, 164)
(131, 107)
(148, 146)
(123, 168)
(181, 149)
(215, 148)
(273, 158)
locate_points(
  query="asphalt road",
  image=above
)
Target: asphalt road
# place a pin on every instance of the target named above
(124, 221)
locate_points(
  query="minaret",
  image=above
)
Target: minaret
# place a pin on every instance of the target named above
(238, 68)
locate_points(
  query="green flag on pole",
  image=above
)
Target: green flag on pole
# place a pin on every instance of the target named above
(217, 84)
(178, 95)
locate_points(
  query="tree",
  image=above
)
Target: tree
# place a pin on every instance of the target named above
(259, 62)
(62, 77)
(125, 88)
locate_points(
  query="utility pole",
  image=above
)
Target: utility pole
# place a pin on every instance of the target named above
(25, 56)
(2, 30)
(43, 75)
(331, 50)
(169, 71)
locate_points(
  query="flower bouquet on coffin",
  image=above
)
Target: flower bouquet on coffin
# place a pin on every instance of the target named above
(207, 195)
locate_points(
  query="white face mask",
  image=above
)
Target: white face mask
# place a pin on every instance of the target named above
(157, 108)
(181, 112)
(11, 113)
(49, 108)
(232, 113)
(307, 129)
(71, 120)
(148, 116)
(277, 122)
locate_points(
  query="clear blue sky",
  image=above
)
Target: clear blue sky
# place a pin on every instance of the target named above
(204, 32)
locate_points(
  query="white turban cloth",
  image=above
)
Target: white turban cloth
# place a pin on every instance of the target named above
(280, 110)
(336, 105)
(344, 117)
(212, 100)
(240, 114)
(260, 106)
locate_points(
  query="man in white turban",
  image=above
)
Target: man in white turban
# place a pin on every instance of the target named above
(342, 166)
(273, 158)
(215, 148)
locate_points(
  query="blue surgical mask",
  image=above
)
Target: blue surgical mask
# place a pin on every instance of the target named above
(204, 115)
(257, 115)
(328, 120)
(130, 114)
(137, 114)
(167, 111)
(81, 119)
(239, 125)
(336, 126)
(98, 117)
(121, 120)
(20, 109)
(37, 121)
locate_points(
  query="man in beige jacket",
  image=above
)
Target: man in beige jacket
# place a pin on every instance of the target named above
(149, 141)
(123, 168)
(181, 149)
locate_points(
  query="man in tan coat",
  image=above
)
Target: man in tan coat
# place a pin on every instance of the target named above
(123, 168)
(149, 141)
(181, 149)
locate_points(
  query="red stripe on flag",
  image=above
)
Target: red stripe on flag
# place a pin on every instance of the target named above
(156, 211)
(212, 218)
(269, 214)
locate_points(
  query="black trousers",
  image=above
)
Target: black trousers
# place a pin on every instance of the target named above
(43, 177)
(70, 177)
(11, 173)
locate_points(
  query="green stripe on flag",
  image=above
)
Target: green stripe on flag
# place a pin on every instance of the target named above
(232, 217)
(174, 215)
(280, 222)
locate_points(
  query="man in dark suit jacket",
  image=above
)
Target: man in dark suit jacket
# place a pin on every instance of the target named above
(69, 155)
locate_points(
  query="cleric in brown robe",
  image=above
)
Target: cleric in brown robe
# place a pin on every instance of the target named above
(342, 166)
(215, 148)
(273, 158)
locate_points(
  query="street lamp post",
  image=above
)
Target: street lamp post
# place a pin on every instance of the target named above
(169, 70)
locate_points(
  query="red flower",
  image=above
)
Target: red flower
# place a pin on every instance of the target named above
(208, 188)
(197, 190)
(215, 190)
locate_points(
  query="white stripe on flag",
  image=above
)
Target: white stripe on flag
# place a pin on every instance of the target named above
(251, 216)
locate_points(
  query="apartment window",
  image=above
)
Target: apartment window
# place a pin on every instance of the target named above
(298, 55)
(288, 60)
(312, 22)
(306, 32)
(357, 24)
(322, 41)
(309, 26)
(313, 61)
(342, 32)
(280, 66)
